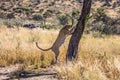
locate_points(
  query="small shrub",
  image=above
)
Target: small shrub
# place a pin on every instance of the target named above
(48, 13)
(75, 13)
(104, 28)
(99, 13)
(8, 23)
(13, 22)
(38, 17)
(46, 26)
(23, 8)
(63, 19)
(108, 29)
(17, 22)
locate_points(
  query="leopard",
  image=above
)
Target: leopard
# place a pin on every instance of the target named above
(63, 33)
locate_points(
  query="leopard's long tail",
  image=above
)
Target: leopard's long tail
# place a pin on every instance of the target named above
(41, 48)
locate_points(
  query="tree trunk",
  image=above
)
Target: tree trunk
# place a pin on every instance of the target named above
(75, 38)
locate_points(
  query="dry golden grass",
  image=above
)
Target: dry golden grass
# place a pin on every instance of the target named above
(18, 46)
(98, 59)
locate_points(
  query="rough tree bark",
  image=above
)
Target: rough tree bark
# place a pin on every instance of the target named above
(75, 38)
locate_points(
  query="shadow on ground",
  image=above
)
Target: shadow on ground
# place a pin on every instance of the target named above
(28, 75)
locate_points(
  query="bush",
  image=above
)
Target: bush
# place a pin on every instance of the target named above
(100, 13)
(63, 18)
(48, 13)
(75, 13)
(12, 22)
(45, 26)
(23, 8)
(8, 23)
(102, 28)
(108, 29)
(38, 17)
